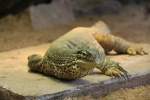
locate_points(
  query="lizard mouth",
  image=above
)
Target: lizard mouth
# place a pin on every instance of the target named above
(86, 65)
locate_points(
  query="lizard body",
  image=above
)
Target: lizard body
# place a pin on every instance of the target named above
(79, 51)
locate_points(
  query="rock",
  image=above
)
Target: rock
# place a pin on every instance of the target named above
(8, 95)
(96, 7)
(59, 12)
(15, 77)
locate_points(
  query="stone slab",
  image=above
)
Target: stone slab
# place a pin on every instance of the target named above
(59, 12)
(15, 77)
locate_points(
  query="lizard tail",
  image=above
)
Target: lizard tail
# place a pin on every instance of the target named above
(102, 27)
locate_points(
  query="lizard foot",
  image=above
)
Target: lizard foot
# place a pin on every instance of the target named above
(136, 50)
(117, 71)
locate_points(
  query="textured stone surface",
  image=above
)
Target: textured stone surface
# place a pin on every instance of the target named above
(59, 12)
(14, 73)
(8, 95)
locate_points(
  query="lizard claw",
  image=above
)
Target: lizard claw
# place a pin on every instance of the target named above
(135, 50)
(117, 72)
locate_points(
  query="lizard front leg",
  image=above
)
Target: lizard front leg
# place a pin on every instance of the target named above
(110, 42)
(113, 69)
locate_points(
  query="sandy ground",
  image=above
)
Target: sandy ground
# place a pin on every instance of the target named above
(16, 32)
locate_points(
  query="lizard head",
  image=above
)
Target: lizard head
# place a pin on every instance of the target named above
(88, 58)
(34, 62)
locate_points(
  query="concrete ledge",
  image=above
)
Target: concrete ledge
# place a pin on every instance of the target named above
(8, 95)
(14, 76)
(98, 89)
(95, 90)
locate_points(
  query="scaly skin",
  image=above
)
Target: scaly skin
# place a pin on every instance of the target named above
(78, 52)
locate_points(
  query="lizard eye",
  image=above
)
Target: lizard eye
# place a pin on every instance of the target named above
(84, 53)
